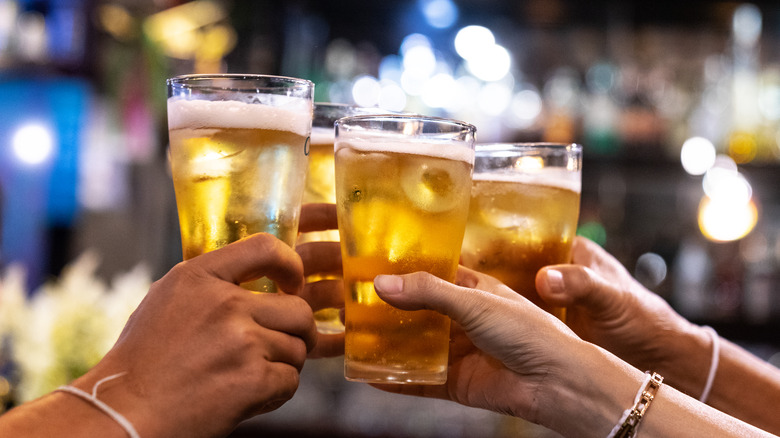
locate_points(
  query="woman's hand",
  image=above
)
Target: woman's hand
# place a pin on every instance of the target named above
(506, 354)
(607, 306)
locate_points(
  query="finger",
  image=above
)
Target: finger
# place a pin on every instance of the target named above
(279, 383)
(259, 255)
(324, 294)
(288, 314)
(328, 345)
(320, 257)
(422, 290)
(282, 347)
(567, 285)
(318, 217)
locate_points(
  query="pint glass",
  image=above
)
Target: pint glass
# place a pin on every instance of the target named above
(525, 201)
(321, 186)
(402, 190)
(238, 151)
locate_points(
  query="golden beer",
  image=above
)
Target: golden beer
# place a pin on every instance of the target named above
(238, 168)
(523, 216)
(402, 208)
(321, 188)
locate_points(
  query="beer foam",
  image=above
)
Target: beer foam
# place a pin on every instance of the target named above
(559, 178)
(322, 135)
(451, 150)
(294, 116)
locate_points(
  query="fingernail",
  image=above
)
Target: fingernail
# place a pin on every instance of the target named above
(390, 284)
(555, 280)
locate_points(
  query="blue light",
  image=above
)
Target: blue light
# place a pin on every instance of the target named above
(440, 14)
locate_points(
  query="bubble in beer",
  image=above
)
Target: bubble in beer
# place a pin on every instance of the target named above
(431, 189)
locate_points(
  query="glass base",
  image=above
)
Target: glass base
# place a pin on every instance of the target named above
(358, 372)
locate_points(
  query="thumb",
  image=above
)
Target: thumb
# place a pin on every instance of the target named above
(570, 285)
(422, 290)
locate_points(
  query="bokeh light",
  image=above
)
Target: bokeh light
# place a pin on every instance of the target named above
(33, 143)
(494, 98)
(438, 92)
(491, 63)
(650, 269)
(391, 96)
(724, 221)
(440, 14)
(366, 91)
(471, 40)
(525, 108)
(697, 155)
(724, 183)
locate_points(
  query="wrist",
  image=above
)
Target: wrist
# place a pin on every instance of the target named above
(56, 412)
(589, 398)
(113, 386)
(687, 359)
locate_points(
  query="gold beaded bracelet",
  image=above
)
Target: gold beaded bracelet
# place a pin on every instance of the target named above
(629, 423)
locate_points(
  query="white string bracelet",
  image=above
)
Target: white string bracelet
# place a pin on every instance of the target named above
(92, 398)
(713, 364)
(629, 422)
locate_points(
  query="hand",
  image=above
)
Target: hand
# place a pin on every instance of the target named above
(201, 354)
(322, 258)
(505, 351)
(607, 306)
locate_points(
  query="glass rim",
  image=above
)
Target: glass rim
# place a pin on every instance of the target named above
(191, 80)
(497, 147)
(406, 117)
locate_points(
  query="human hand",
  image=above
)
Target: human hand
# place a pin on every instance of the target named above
(322, 258)
(607, 306)
(200, 353)
(505, 353)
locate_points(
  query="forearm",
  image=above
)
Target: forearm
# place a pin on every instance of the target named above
(58, 414)
(745, 386)
(590, 401)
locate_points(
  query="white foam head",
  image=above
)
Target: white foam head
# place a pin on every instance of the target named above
(294, 116)
(551, 176)
(452, 150)
(322, 135)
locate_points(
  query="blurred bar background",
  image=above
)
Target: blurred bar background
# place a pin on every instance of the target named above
(677, 105)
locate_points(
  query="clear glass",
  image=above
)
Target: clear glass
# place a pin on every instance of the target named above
(239, 148)
(525, 202)
(321, 188)
(402, 191)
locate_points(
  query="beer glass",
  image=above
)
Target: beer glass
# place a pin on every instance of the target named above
(402, 191)
(238, 151)
(525, 201)
(321, 187)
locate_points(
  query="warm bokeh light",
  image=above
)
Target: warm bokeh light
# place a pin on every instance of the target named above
(33, 144)
(724, 221)
(724, 183)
